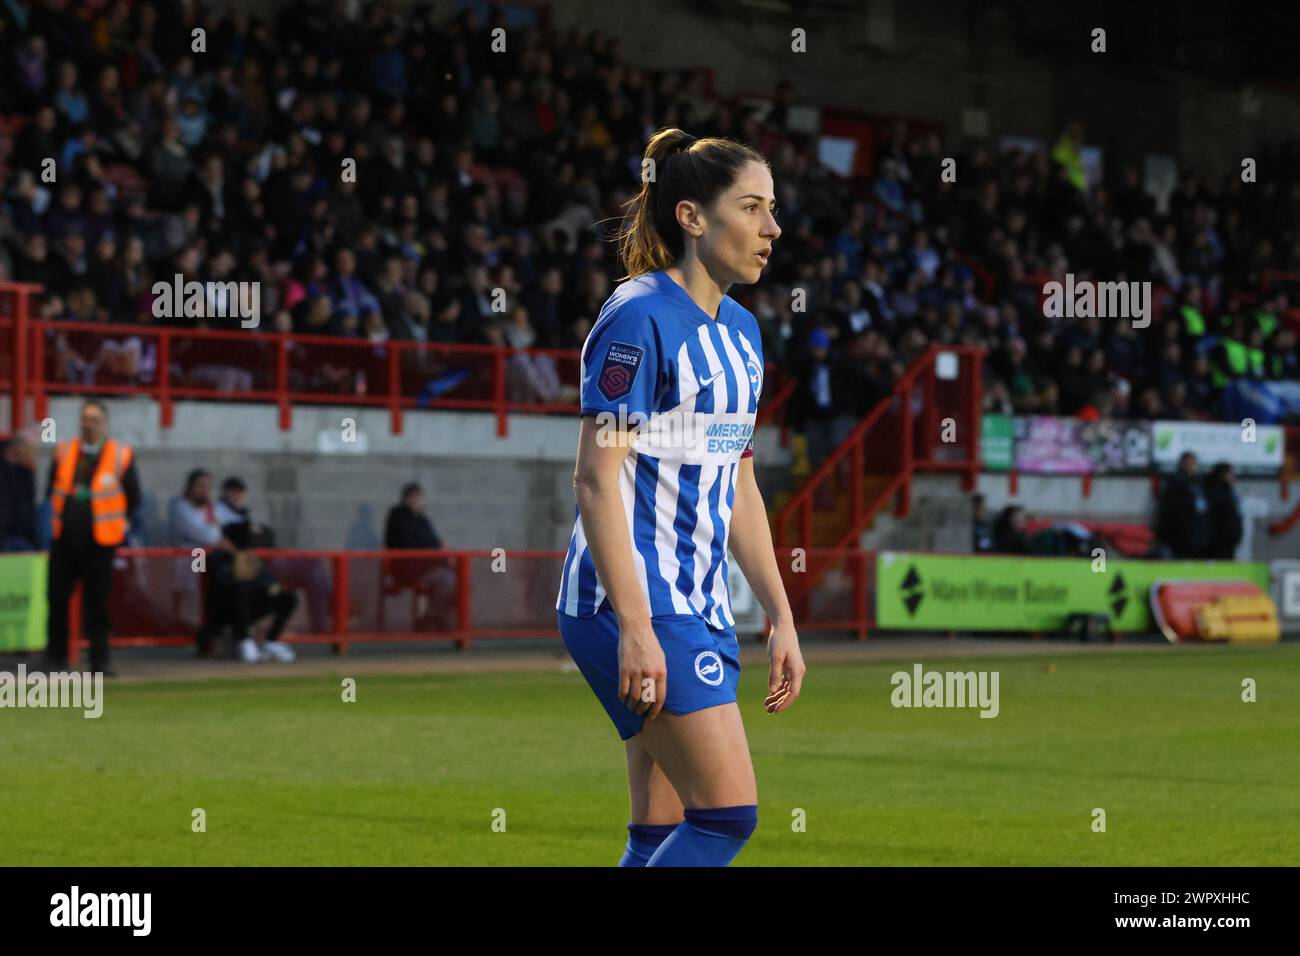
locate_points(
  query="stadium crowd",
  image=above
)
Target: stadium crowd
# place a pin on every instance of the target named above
(477, 172)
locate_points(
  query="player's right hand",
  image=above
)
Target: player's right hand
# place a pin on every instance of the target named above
(642, 670)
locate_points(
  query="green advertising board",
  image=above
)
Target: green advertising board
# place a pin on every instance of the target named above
(934, 592)
(22, 601)
(997, 435)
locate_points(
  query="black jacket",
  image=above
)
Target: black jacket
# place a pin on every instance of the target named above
(241, 534)
(409, 529)
(17, 501)
(842, 385)
(1008, 540)
(1225, 519)
(1181, 518)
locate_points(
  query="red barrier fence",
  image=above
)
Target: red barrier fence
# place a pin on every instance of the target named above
(170, 364)
(359, 597)
(346, 597)
(167, 365)
(930, 421)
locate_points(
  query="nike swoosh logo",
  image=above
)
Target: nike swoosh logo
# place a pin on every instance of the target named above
(706, 382)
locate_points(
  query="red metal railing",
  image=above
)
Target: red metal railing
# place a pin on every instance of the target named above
(287, 370)
(924, 424)
(832, 602)
(157, 596)
(372, 596)
(16, 306)
(927, 423)
(171, 364)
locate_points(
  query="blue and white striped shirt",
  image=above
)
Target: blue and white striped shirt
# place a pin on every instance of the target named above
(655, 359)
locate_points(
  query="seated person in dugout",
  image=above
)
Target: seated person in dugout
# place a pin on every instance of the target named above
(409, 528)
(242, 591)
(310, 575)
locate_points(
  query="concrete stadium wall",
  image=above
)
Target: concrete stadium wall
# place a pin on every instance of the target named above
(319, 491)
(484, 492)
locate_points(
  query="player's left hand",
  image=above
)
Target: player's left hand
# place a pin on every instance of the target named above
(785, 668)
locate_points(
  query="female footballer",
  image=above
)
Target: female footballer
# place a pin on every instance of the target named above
(671, 375)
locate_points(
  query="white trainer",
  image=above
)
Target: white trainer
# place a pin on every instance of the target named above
(249, 652)
(279, 652)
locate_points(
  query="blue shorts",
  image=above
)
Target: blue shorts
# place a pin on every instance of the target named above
(703, 664)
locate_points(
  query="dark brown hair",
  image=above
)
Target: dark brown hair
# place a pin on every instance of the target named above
(680, 167)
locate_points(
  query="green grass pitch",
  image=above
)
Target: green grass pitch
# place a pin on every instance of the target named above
(412, 773)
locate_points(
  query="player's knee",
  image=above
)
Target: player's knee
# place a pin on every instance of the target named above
(738, 823)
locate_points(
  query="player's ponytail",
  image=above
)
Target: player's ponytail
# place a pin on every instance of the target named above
(675, 166)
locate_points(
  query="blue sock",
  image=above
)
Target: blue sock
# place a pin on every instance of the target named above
(643, 839)
(709, 837)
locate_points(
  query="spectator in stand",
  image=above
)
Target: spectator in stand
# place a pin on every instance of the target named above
(18, 492)
(347, 291)
(33, 262)
(1076, 381)
(239, 148)
(1149, 405)
(237, 589)
(409, 528)
(192, 524)
(232, 516)
(1202, 397)
(1224, 511)
(38, 141)
(242, 587)
(1009, 534)
(547, 307)
(1182, 512)
(191, 518)
(1283, 361)
(982, 527)
(821, 408)
(997, 400)
(242, 591)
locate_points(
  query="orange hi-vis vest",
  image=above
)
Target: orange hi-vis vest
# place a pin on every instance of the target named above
(107, 496)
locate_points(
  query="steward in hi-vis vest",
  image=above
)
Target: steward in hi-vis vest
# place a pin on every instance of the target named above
(93, 490)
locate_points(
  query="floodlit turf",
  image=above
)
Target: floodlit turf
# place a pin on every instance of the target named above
(413, 772)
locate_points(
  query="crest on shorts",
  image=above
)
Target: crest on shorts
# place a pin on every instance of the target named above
(619, 369)
(708, 668)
